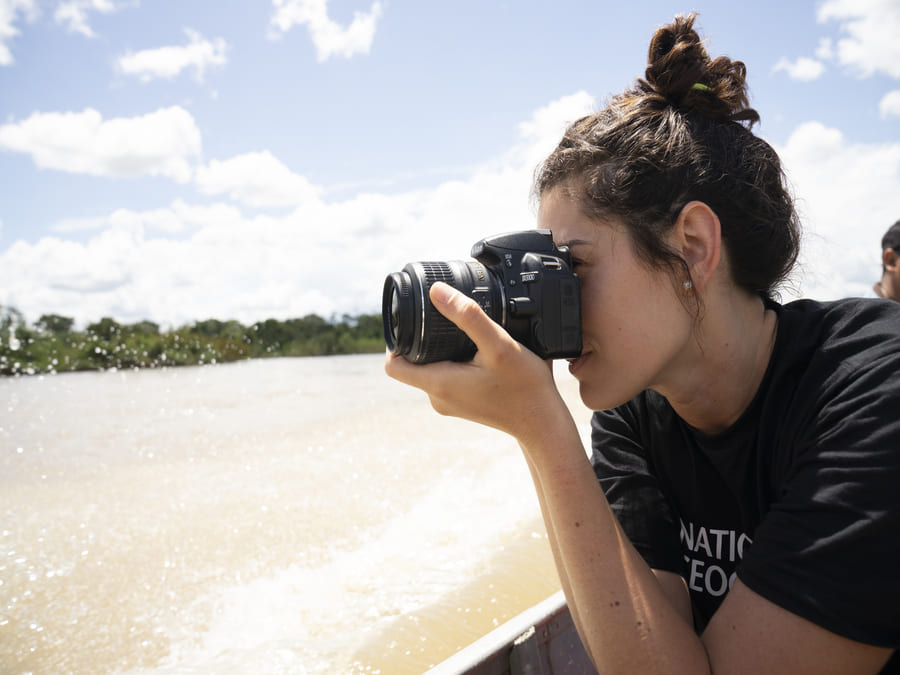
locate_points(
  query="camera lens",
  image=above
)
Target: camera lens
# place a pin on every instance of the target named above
(395, 312)
(414, 329)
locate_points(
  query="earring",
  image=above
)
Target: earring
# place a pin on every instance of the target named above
(688, 286)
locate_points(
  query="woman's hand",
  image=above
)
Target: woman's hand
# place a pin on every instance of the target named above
(505, 386)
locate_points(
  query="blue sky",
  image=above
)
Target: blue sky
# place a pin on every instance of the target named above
(176, 160)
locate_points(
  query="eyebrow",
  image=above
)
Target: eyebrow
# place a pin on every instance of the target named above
(574, 242)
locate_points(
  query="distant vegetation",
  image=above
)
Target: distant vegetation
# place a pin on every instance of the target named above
(50, 345)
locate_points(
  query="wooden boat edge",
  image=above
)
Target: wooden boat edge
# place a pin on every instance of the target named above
(540, 640)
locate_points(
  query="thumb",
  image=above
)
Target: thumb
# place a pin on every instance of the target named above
(465, 313)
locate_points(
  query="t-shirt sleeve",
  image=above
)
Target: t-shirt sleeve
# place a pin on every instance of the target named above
(828, 549)
(633, 492)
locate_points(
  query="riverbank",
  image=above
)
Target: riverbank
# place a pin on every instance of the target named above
(51, 346)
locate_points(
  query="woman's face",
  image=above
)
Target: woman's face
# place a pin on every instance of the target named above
(635, 329)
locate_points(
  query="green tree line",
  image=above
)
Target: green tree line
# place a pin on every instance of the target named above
(51, 345)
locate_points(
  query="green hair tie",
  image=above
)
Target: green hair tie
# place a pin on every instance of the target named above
(700, 86)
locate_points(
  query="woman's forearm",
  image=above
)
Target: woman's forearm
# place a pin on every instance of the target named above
(557, 556)
(623, 616)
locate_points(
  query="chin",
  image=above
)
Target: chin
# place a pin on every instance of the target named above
(597, 398)
(592, 398)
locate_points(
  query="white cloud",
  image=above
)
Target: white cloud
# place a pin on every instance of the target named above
(803, 69)
(848, 194)
(329, 38)
(167, 62)
(84, 271)
(540, 134)
(178, 217)
(160, 143)
(74, 14)
(890, 104)
(9, 11)
(872, 27)
(256, 179)
(186, 262)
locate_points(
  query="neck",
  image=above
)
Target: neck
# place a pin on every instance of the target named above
(725, 364)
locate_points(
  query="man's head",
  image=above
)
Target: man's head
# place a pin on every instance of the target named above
(889, 286)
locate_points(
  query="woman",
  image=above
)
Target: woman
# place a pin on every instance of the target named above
(746, 516)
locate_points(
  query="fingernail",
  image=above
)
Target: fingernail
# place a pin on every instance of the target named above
(442, 293)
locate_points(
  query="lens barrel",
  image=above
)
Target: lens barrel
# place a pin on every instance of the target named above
(414, 329)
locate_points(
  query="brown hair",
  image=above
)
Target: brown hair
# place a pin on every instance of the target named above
(891, 238)
(682, 133)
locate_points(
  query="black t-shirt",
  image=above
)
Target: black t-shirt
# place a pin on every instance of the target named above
(800, 498)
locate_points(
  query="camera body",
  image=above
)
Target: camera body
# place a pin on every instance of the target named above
(520, 279)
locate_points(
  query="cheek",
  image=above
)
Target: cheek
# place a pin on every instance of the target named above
(595, 307)
(605, 308)
(591, 308)
(630, 316)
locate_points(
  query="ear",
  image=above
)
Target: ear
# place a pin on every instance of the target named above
(697, 235)
(889, 259)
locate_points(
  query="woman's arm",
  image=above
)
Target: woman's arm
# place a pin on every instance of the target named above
(557, 557)
(672, 584)
(625, 616)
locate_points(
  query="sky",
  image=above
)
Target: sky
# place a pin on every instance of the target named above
(180, 160)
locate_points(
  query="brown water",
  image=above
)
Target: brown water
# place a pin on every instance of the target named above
(278, 516)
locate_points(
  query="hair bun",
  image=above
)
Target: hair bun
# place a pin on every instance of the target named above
(680, 71)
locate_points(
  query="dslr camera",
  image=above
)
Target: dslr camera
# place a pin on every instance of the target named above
(520, 279)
